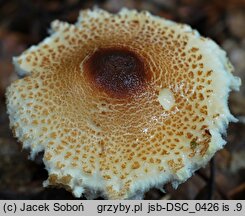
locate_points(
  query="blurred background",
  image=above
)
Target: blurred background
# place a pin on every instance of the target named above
(25, 22)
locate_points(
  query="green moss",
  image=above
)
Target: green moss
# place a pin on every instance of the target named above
(193, 144)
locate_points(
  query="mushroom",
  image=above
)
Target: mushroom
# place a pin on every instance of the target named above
(121, 103)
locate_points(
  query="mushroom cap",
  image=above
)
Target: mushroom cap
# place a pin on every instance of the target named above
(120, 103)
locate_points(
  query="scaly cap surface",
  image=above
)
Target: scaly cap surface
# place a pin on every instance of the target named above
(120, 103)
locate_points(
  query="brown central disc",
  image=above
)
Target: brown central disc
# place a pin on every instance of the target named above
(117, 71)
